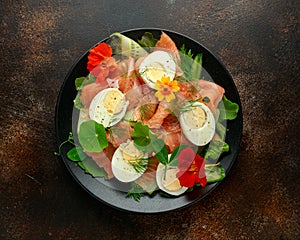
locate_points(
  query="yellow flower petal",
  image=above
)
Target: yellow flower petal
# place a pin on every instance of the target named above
(159, 96)
(166, 88)
(170, 97)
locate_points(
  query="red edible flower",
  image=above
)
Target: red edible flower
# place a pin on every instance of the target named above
(101, 64)
(97, 54)
(191, 168)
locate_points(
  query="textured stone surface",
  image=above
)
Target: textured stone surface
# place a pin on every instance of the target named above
(258, 41)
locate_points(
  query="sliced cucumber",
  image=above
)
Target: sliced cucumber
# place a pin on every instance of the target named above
(214, 173)
(121, 44)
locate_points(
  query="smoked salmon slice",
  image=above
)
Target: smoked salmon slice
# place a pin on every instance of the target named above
(161, 113)
(103, 159)
(166, 43)
(119, 133)
(202, 88)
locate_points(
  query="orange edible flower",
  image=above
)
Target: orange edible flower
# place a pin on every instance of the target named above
(166, 88)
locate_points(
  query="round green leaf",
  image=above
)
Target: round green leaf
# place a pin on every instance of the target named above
(92, 136)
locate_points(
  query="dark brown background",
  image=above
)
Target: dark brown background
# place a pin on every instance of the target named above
(258, 41)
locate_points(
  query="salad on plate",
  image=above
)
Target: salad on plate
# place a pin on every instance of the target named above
(149, 117)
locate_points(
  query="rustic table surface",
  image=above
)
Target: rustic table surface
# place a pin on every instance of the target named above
(258, 42)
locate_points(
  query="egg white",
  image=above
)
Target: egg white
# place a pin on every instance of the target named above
(98, 112)
(159, 180)
(199, 136)
(122, 170)
(161, 58)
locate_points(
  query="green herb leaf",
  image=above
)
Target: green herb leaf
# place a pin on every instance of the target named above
(196, 67)
(92, 136)
(173, 161)
(139, 165)
(79, 82)
(221, 130)
(214, 173)
(147, 40)
(148, 142)
(76, 154)
(190, 66)
(161, 151)
(77, 102)
(215, 149)
(228, 110)
(136, 192)
(83, 81)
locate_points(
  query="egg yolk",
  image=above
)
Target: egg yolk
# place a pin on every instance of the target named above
(130, 153)
(170, 181)
(195, 118)
(114, 102)
(155, 72)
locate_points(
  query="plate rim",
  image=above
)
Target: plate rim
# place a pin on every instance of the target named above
(212, 187)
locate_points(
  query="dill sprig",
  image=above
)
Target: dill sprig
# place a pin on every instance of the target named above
(139, 165)
(146, 110)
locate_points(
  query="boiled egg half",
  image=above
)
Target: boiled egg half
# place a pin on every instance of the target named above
(108, 107)
(197, 123)
(156, 65)
(128, 163)
(167, 181)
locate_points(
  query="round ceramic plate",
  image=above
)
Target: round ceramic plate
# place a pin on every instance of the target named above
(103, 190)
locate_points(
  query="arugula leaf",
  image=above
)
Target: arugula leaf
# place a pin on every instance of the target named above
(77, 103)
(76, 154)
(147, 40)
(92, 136)
(185, 52)
(83, 81)
(221, 130)
(196, 67)
(228, 110)
(190, 66)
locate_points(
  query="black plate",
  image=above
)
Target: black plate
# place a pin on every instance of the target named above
(101, 189)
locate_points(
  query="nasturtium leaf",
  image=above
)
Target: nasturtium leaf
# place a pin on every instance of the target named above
(92, 136)
(76, 154)
(141, 135)
(90, 167)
